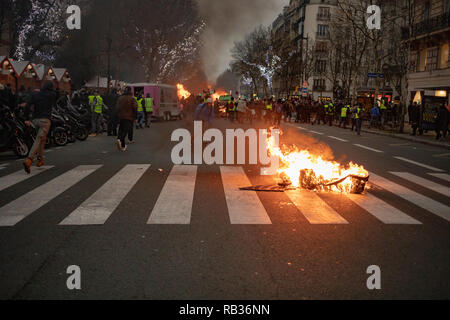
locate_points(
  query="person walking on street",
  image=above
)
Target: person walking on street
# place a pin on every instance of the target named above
(358, 120)
(414, 118)
(127, 113)
(442, 123)
(43, 103)
(148, 110)
(140, 112)
(97, 111)
(374, 117)
(111, 102)
(344, 113)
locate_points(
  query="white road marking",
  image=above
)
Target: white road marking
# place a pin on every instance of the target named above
(16, 211)
(444, 155)
(381, 210)
(424, 183)
(174, 205)
(3, 165)
(315, 210)
(98, 208)
(304, 129)
(368, 148)
(320, 133)
(419, 164)
(244, 207)
(442, 176)
(339, 139)
(19, 176)
(426, 203)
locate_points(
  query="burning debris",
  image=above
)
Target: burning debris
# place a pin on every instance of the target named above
(182, 92)
(301, 169)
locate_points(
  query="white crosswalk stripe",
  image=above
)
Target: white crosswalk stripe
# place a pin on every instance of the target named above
(442, 176)
(381, 210)
(422, 201)
(174, 205)
(315, 210)
(16, 211)
(17, 177)
(99, 207)
(424, 183)
(419, 164)
(243, 207)
(175, 202)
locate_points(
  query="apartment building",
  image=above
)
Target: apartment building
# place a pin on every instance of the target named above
(429, 35)
(304, 25)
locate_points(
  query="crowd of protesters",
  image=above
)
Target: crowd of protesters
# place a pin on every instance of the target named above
(341, 113)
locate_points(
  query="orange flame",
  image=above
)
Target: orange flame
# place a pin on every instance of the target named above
(182, 92)
(300, 167)
(218, 94)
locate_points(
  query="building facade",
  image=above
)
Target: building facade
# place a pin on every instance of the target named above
(303, 27)
(429, 37)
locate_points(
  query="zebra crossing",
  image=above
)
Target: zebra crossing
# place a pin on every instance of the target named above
(175, 201)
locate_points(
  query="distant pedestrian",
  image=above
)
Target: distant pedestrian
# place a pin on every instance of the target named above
(442, 122)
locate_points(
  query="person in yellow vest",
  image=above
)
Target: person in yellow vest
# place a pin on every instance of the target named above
(149, 103)
(269, 111)
(91, 98)
(383, 111)
(358, 115)
(97, 112)
(344, 115)
(140, 112)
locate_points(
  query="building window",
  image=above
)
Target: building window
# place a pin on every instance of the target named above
(444, 57)
(322, 30)
(321, 46)
(432, 59)
(319, 84)
(422, 60)
(446, 6)
(324, 13)
(321, 66)
(413, 61)
(426, 11)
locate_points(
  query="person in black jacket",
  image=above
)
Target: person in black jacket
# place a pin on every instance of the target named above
(442, 122)
(43, 103)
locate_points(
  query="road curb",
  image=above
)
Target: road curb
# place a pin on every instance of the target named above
(408, 138)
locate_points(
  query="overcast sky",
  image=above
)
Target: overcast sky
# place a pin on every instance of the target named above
(229, 21)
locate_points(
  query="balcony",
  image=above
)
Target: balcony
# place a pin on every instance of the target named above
(323, 17)
(428, 26)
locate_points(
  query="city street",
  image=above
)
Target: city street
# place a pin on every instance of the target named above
(141, 228)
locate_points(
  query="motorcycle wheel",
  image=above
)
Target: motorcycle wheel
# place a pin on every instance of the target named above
(82, 134)
(60, 137)
(71, 138)
(20, 148)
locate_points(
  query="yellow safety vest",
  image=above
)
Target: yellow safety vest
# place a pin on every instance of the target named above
(344, 112)
(269, 107)
(383, 106)
(357, 113)
(91, 100)
(149, 104)
(98, 105)
(139, 103)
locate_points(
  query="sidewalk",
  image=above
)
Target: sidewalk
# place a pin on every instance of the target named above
(428, 138)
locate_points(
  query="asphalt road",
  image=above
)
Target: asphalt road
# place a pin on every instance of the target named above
(141, 228)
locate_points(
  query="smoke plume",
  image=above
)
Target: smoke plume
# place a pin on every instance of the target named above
(229, 21)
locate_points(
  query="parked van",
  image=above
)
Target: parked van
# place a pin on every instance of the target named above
(165, 97)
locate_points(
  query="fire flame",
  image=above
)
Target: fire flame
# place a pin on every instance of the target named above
(218, 94)
(307, 171)
(182, 92)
